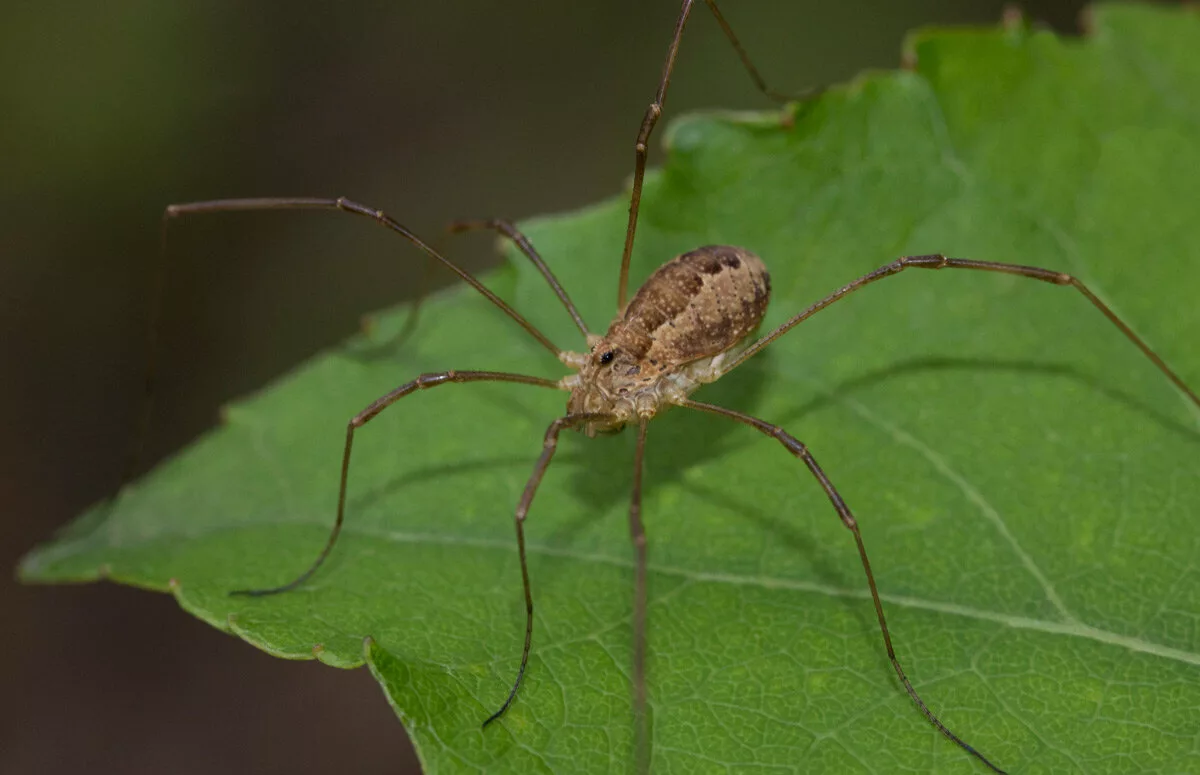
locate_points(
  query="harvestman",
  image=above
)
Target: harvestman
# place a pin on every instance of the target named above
(682, 329)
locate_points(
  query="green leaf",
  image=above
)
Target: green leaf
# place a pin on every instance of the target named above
(1026, 481)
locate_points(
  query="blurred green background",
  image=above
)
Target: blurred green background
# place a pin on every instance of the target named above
(430, 110)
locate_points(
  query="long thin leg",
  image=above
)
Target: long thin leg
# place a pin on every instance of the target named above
(380, 217)
(801, 451)
(423, 382)
(549, 444)
(942, 262)
(414, 310)
(142, 425)
(637, 534)
(525, 246)
(755, 76)
(651, 118)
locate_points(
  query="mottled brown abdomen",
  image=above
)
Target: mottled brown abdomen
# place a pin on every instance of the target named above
(695, 306)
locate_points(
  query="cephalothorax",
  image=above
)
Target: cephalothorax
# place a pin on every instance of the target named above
(685, 327)
(672, 338)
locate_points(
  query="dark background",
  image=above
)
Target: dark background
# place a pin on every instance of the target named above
(431, 110)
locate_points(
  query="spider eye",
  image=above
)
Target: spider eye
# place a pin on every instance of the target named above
(607, 357)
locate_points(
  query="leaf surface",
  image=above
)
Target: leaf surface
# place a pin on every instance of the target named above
(1025, 480)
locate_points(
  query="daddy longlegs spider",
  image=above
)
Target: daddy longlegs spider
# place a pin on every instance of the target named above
(688, 325)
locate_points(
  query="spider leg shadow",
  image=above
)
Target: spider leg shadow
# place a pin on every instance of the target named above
(934, 364)
(676, 443)
(790, 533)
(602, 470)
(397, 484)
(369, 347)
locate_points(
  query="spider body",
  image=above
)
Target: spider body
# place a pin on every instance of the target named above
(671, 338)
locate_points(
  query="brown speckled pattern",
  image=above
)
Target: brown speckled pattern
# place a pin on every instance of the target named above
(694, 306)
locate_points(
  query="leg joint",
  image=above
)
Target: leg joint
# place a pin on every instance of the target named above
(432, 380)
(794, 445)
(932, 261)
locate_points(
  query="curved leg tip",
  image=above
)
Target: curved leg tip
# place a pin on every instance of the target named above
(258, 592)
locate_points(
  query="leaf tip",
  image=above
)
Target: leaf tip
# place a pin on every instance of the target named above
(175, 589)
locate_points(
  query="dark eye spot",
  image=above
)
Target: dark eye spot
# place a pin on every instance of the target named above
(607, 357)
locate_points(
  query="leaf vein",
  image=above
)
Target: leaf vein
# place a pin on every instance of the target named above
(1073, 628)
